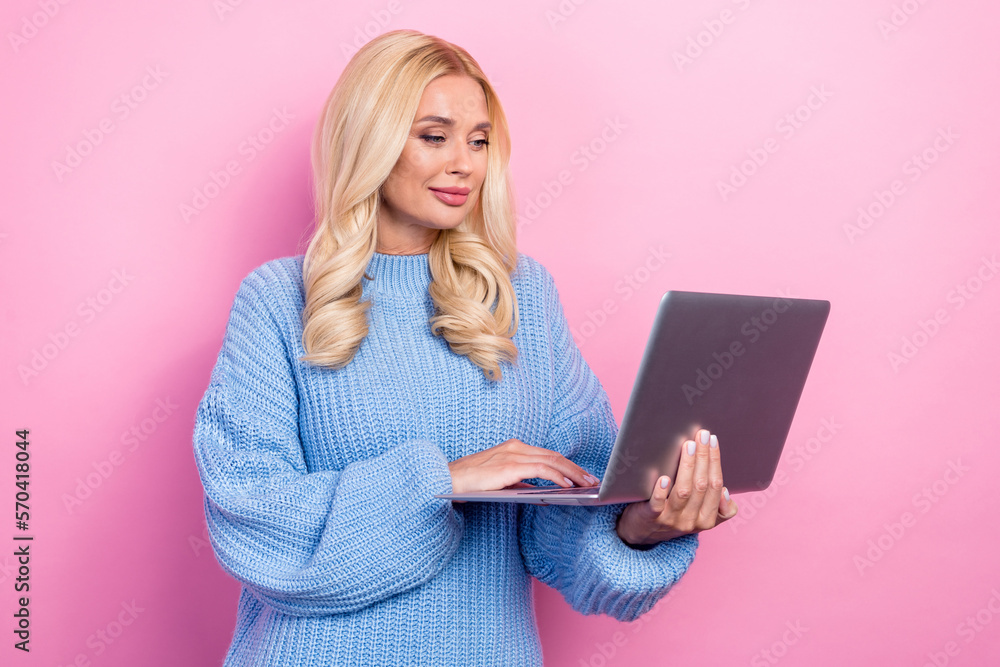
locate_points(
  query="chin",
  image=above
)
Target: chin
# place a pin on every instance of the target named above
(450, 223)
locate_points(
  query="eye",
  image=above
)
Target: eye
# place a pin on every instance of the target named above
(431, 138)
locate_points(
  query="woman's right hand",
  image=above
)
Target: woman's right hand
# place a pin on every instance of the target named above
(510, 462)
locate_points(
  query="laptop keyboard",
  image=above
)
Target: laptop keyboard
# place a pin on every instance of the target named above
(559, 489)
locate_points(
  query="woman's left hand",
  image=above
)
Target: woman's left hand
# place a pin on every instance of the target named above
(697, 502)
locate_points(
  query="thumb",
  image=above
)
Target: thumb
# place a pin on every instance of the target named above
(727, 506)
(658, 500)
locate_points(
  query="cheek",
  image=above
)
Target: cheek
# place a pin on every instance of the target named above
(481, 163)
(399, 181)
(412, 173)
(420, 165)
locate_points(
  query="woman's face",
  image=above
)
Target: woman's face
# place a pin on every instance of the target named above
(445, 150)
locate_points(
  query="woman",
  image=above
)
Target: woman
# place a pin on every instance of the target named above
(413, 351)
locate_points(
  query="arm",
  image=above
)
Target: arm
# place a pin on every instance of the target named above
(574, 549)
(308, 543)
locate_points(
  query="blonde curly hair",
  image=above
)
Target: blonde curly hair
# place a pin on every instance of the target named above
(358, 139)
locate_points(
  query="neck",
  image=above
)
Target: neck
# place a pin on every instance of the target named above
(400, 275)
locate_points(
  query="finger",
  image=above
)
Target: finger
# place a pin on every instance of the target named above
(553, 467)
(700, 474)
(658, 500)
(708, 516)
(680, 494)
(562, 466)
(727, 507)
(691, 514)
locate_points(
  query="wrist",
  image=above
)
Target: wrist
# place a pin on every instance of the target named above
(630, 540)
(639, 540)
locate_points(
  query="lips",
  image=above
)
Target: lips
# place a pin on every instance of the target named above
(452, 196)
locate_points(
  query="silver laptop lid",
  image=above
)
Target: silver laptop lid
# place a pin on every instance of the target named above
(741, 375)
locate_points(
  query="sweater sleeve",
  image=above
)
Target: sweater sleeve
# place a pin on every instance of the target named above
(308, 543)
(575, 549)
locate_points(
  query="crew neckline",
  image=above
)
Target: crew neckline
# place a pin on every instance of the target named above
(402, 275)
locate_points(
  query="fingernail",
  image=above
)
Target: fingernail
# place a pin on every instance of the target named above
(592, 479)
(664, 481)
(691, 447)
(704, 437)
(725, 492)
(715, 441)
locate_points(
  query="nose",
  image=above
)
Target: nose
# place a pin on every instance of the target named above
(460, 160)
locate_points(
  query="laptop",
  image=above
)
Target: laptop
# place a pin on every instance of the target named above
(733, 364)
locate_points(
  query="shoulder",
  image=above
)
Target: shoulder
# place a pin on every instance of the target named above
(283, 273)
(538, 302)
(531, 276)
(276, 284)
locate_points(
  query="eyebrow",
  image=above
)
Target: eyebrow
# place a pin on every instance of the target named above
(441, 120)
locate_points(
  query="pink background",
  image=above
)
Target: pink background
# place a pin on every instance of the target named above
(844, 561)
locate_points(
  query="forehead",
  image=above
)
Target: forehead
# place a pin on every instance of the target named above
(453, 96)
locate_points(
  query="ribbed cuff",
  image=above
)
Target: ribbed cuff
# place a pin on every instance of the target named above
(606, 576)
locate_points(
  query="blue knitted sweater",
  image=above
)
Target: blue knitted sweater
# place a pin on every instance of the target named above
(319, 484)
